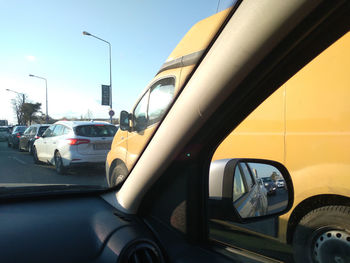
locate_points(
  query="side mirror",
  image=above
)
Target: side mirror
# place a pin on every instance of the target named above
(244, 190)
(124, 121)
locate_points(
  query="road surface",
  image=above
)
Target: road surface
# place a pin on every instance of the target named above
(18, 168)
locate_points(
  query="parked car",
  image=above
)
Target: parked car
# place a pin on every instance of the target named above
(29, 136)
(13, 138)
(280, 183)
(270, 185)
(72, 143)
(4, 133)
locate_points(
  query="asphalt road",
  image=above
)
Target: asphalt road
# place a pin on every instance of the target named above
(18, 168)
(277, 202)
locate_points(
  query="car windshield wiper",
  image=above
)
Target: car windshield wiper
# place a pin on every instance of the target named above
(18, 190)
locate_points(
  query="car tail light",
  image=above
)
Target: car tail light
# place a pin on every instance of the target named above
(37, 137)
(18, 135)
(77, 141)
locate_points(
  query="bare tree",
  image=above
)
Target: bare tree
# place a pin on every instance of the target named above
(17, 105)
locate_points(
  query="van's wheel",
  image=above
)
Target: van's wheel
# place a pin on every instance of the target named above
(60, 169)
(35, 156)
(119, 174)
(323, 235)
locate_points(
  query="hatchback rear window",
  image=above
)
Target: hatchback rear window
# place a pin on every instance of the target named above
(96, 130)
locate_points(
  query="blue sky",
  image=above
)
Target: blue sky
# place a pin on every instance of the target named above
(45, 38)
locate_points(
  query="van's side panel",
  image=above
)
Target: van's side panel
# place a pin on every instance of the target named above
(318, 125)
(260, 135)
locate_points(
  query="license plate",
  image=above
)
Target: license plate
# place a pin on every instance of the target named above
(102, 146)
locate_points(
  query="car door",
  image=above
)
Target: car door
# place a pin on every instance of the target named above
(147, 113)
(23, 141)
(41, 144)
(52, 142)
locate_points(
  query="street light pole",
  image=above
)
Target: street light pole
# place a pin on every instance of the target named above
(19, 93)
(110, 67)
(47, 112)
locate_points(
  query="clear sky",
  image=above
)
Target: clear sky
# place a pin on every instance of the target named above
(45, 38)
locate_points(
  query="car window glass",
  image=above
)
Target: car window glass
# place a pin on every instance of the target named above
(66, 130)
(42, 129)
(33, 131)
(58, 130)
(28, 131)
(96, 130)
(49, 131)
(161, 96)
(238, 185)
(140, 114)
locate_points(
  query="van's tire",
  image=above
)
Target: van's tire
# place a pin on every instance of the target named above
(119, 174)
(323, 235)
(60, 169)
(35, 156)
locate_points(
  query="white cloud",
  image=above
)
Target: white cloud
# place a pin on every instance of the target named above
(30, 58)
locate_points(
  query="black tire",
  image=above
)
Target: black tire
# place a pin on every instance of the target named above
(119, 174)
(323, 235)
(30, 148)
(60, 169)
(19, 147)
(35, 156)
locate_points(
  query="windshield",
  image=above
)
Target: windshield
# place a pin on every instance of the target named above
(100, 75)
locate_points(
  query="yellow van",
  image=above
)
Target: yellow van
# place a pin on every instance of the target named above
(137, 127)
(305, 125)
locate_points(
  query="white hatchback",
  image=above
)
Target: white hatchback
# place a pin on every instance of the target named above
(72, 143)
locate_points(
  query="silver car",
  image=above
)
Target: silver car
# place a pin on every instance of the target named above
(72, 143)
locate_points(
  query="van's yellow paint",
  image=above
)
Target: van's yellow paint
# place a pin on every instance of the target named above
(305, 125)
(127, 146)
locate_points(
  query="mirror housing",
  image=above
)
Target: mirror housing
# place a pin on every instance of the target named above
(232, 199)
(124, 121)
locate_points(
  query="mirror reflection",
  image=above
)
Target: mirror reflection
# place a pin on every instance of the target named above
(258, 189)
(253, 188)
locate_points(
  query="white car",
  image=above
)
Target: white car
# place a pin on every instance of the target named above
(72, 143)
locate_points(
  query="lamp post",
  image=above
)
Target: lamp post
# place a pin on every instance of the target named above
(47, 113)
(110, 67)
(19, 93)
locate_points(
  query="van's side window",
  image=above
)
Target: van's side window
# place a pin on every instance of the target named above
(140, 114)
(161, 96)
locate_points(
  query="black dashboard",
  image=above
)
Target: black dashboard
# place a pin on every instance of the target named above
(80, 229)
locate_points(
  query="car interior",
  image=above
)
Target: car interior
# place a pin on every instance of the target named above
(160, 213)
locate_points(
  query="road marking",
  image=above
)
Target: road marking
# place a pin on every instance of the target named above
(18, 160)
